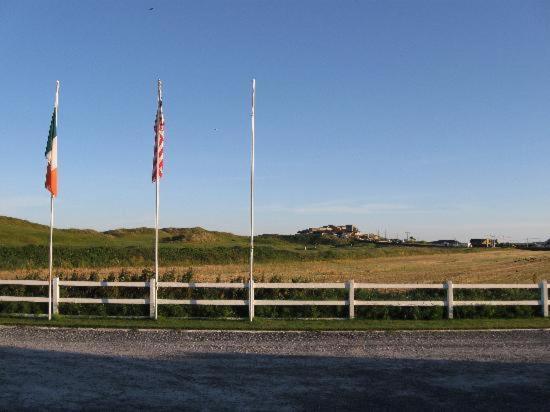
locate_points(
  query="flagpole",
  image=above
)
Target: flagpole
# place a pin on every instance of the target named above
(56, 103)
(157, 241)
(157, 204)
(251, 279)
(51, 261)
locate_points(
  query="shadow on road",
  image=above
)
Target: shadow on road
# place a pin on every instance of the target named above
(31, 379)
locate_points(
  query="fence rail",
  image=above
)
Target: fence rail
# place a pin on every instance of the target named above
(152, 300)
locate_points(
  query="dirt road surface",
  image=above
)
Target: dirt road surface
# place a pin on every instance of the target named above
(75, 369)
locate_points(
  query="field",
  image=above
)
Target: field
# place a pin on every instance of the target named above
(24, 245)
(501, 265)
(211, 256)
(507, 265)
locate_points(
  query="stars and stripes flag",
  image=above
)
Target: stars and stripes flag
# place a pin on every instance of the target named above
(51, 150)
(158, 165)
(158, 158)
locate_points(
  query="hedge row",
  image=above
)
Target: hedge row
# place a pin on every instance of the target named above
(31, 257)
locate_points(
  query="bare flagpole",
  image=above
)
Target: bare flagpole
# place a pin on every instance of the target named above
(51, 261)
(251, 284)
(157, 204)
(56, 102)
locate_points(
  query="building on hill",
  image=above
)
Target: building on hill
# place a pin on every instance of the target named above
(352, 232)
(487, 242)
(343, 231)
(447, 243)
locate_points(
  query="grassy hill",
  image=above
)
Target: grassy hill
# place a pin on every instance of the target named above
(24, 245)
(18, 232)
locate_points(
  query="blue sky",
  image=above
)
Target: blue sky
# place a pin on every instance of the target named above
(431, 117)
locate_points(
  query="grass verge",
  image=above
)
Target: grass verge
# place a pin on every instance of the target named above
(282, 324)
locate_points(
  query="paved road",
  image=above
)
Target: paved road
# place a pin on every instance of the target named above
(42, 368)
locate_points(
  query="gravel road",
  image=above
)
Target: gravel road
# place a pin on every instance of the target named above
(95, 369)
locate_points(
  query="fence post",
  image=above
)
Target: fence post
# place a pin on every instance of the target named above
(544, 297)
(55, 296)
(450, 299)
(351, 299)
(251, 300)
(152, 299)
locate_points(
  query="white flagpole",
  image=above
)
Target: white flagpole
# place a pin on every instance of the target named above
(157, 186)
(51, 261)
(56, 102)
(250, 292)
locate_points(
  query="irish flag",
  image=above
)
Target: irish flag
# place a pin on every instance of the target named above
(51, 151)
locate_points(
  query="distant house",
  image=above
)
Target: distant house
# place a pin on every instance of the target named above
(483, 242)
(343, 231)
(447, 243)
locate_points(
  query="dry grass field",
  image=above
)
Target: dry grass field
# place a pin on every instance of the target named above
(498, 266)
(508, 265)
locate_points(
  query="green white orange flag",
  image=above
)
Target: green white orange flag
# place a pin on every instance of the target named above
(51, 150)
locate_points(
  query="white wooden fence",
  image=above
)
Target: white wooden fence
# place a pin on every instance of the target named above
(449, 303)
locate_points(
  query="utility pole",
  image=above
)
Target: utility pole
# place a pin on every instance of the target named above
(407, 236)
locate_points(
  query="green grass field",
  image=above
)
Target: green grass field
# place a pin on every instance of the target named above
(18, 232)
(282, 324)
(23, 246)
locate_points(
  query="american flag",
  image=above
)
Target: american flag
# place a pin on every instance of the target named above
(158, 158)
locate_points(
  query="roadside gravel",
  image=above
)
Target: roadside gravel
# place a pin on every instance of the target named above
(58, 368)
(498, 345)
